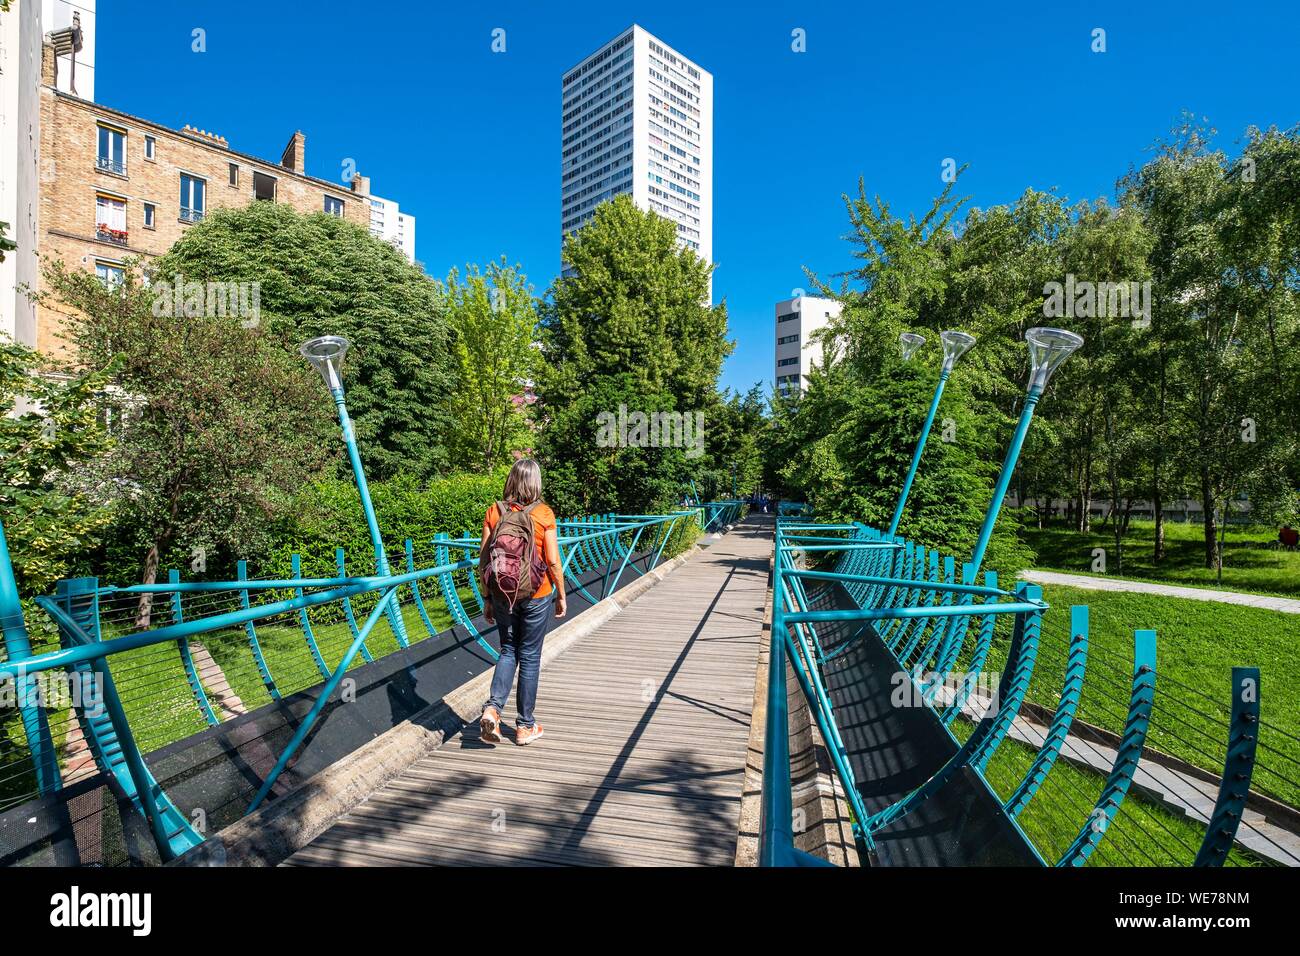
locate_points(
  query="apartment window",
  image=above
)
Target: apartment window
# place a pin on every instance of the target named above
(788, 361)
(263, 186)
(334, 206)
(150, 214)
(193, 197)
(150, 148)
(109, 273)
(234, 174)
(112, 150)
(786, 339)
(110, 219)
(787, 317)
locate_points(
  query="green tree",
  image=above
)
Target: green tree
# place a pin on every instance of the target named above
(845, 446)
(215, 425)
(494, 320)
(49, 430)
(637, 303)
(322, 275)
(733, 459)
(585, 473)
(629, 331)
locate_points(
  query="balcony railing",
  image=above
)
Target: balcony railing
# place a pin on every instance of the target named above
(116, 236)
(191, 215)
(104, 164)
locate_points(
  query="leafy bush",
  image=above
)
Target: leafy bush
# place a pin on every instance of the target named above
(327, 514)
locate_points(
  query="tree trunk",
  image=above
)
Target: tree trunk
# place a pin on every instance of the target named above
(1223, 536)
(1158, 510)
(1207, 519)
(144, 607)
(1157, 489)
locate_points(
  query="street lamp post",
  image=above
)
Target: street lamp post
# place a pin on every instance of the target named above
(1048, 348)
(955, 345)
(326, 356)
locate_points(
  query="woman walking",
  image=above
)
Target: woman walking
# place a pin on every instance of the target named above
(519, 564)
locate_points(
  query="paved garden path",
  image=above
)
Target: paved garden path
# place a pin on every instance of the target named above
(1285, 605)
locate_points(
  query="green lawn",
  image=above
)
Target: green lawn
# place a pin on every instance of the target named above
(1198, 643)
(1249, 564)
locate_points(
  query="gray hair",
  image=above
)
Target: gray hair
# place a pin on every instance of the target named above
(524, 483)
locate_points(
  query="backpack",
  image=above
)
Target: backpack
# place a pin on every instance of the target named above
(511, 567)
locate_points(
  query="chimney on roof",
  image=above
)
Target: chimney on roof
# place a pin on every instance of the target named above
(295, 154)
(66, 42)
(204, 136)
(361, 185)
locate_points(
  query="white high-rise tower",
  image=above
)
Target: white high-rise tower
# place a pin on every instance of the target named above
(638, 119)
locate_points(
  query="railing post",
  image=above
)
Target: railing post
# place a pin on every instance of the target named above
(1128, 754)
(776, 828)
(295, 566)
(187, 659)
(268, 681)
(1238, 767)
(18, 646)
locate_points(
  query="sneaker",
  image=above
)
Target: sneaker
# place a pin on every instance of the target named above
(489, 726)
(526, 735)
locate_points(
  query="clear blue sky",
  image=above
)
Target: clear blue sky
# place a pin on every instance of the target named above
(468, 140)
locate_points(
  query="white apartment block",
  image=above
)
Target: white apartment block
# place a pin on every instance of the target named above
(637, 118)
(22, 29)
(796, 352)
(388, 222)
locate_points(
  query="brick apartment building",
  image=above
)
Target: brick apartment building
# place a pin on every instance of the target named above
(114, 185)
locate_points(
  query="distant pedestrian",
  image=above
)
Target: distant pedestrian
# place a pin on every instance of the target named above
(519, 564)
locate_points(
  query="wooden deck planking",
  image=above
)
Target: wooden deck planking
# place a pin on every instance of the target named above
(647, 724)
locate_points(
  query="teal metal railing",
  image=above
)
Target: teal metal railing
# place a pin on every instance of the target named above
(120, 660)
(927, 623)
(941, 633)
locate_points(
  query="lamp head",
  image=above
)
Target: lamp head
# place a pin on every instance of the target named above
(326, 356)
(1048, 348)
(955, 345)
(909, 342)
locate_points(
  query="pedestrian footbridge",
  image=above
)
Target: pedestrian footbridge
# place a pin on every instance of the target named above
(783, 692)
(729, 688)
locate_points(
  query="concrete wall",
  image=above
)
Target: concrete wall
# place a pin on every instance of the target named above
(20, 76)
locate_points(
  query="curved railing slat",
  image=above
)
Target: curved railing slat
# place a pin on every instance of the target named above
(187, 659)
(1127, 755)
(340, 565)
(1238, 767)
(295, 565)
(1076, 666)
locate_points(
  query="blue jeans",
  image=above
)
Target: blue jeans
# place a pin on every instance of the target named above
(522, 633)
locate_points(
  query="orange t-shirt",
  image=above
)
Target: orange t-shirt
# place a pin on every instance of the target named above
(543, 521)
